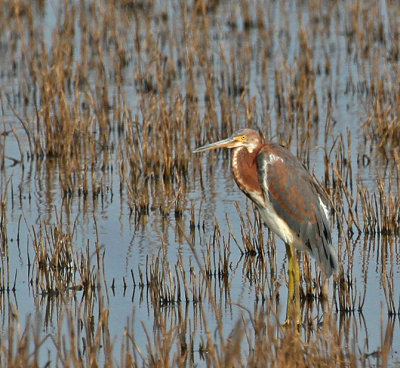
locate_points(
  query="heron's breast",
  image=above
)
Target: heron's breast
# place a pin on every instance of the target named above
(245, 173)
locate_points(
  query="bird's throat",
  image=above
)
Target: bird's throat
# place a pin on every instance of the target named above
(245, 173)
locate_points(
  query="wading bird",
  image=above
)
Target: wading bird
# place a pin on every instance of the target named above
(290, 202)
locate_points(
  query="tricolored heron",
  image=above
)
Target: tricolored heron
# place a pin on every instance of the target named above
(290, 202)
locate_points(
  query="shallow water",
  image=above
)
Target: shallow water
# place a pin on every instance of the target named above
(35, 201)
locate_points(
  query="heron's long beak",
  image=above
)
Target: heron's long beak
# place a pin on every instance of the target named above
(228, 143)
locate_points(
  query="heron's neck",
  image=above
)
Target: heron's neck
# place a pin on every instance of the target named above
(244, 169)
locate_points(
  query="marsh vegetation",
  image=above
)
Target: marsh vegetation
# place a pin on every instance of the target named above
(119, 247)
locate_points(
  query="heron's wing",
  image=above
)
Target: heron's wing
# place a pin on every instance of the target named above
(296, 200)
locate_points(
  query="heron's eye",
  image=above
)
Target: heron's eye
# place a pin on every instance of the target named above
(243, 138)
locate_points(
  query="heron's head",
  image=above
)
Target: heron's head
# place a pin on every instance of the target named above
(248, 138)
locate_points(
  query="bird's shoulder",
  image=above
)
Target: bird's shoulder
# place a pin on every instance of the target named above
(286, 168)
(287, 183)
(274, 156)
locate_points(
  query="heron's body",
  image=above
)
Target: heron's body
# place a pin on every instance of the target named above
(290, 203)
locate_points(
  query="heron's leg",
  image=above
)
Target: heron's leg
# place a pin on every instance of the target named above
(290, 272)
(293, 301)
(296, 271)
(297, 314)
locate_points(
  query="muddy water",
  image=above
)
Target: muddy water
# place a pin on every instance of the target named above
(247, 60)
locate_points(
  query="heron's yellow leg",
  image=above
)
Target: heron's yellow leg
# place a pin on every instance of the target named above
(296, 272)
(290, 273)
(293, 312)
